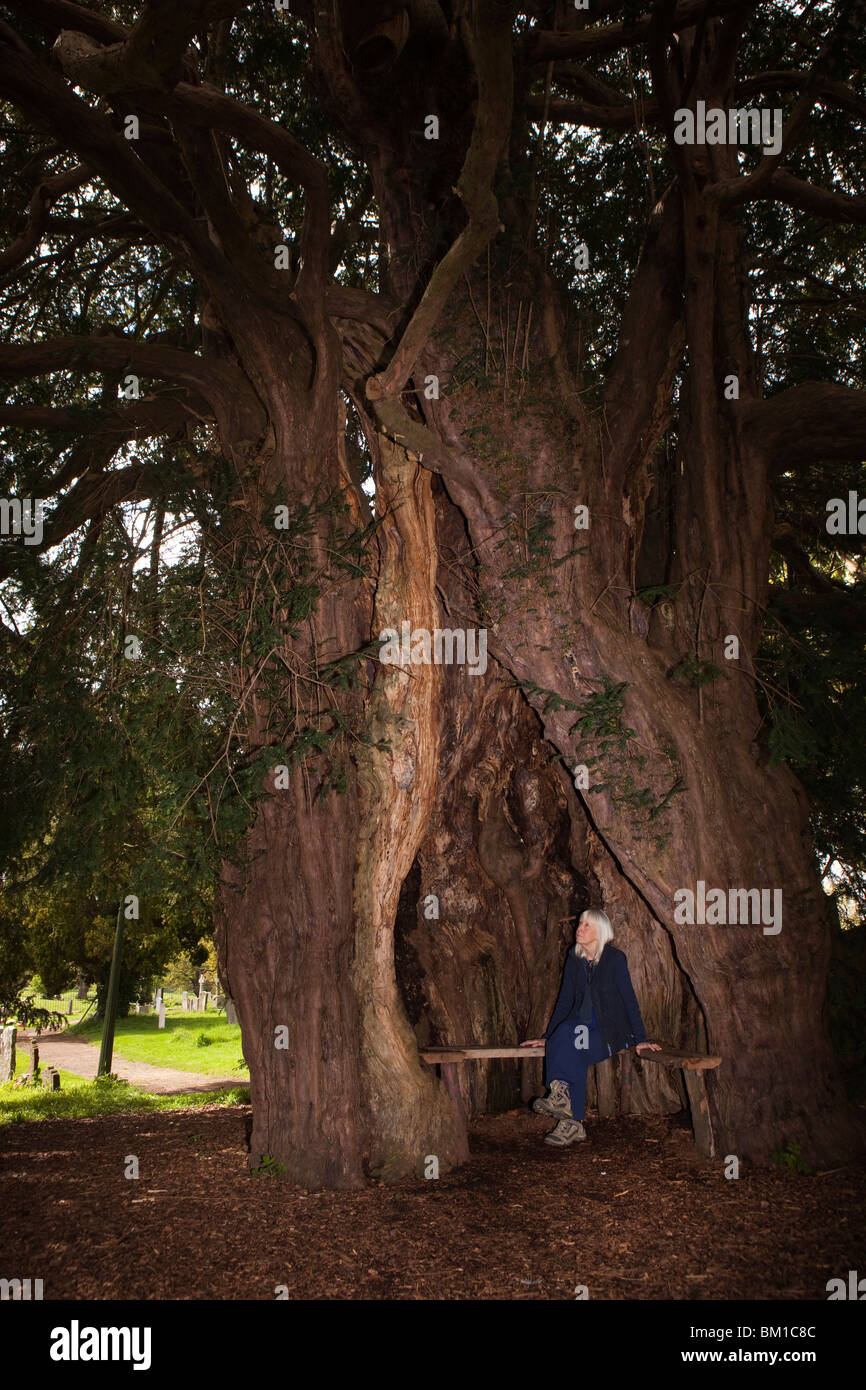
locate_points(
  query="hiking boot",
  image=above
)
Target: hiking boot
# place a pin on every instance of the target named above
(566, 1132)
(558, 1103)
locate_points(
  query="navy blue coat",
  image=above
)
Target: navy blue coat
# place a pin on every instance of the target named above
(613, 999)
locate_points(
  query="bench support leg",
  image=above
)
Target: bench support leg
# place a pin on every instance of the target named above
(701, 1123)
(606, 1085)
(530, 1078)
(625, 1082)
(452, 1086)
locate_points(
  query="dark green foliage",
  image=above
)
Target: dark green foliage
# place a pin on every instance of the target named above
(654, 592)
(695, 672)
(138, 776)
(791, 1157)
(268, 1168)
(846, 1003)
(813, 693)
(601, 728)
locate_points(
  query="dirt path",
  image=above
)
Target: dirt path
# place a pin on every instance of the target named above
(82, 1059)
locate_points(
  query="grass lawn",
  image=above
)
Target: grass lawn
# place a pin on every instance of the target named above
(189, 1042)
(78, 1099)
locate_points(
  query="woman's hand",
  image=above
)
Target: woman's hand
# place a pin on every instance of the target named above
(534, 1042)
(651, 1047)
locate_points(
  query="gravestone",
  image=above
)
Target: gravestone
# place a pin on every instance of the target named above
(202, 996)
(231, 1012)
(69, 1005)
(137, 1008)
(33, 1068)
(161, 1023)
(184, 1001)
(157, 998)
(51, 1079)
(193, 1003)
(7, 1053)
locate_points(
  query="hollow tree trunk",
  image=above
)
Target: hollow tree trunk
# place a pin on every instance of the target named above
(489, 908)
(679, 790)
(727, 819)
(304, 924)
(561, 624)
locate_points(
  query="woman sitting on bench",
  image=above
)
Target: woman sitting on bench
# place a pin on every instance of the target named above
(596, 1016)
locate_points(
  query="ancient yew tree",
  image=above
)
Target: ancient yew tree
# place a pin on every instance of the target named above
(325, 317)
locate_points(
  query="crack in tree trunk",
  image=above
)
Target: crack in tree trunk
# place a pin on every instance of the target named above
(411, 1114)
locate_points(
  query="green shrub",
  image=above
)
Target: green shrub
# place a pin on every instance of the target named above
(791, 1157)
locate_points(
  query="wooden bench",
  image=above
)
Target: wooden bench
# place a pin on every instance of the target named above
(693, 1065)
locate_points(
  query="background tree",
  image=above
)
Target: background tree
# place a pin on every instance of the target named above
(69, 935)
(456, 247)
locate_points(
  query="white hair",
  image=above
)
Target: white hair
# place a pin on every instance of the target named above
(601, 922)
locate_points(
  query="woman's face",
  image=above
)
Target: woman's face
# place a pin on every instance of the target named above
(587, 937)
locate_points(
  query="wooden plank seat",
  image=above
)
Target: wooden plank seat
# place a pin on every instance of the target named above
(693, 1065)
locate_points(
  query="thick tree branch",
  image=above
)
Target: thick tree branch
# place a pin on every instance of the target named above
(213, 109)
(738, 190)
(49, 103)
(650, 342)
(42, 199)
(362, 306)
(141, 419)
(817, 420)
(90, 499)
(569, 112)
(208, 107)
(119, 226)
(493, 62)
(208, 175)
(151, 55)
(54, 15)
(223, 386)
(121, 231)
(548, 45)
(838, 610)
(613, 111)
(784, 187)
(830, 92)
(587, 86)
(785, 543)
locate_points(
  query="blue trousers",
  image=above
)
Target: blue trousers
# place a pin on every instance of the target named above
(565, 1062)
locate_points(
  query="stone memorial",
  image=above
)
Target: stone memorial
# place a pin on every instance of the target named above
(7, 1053)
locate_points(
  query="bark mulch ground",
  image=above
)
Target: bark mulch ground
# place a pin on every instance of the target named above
(633, 1213)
